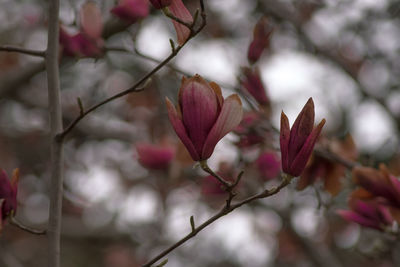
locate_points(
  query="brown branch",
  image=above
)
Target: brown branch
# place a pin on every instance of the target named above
(16, 223)
(224, 211)
(30, 52)
(135, 87)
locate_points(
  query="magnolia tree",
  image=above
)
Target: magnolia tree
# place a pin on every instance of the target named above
(161, 139)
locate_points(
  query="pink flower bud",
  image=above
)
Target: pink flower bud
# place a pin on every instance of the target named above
(160, 3)
(131, 10)
(154, 156)
(179, 10)
(298, 142)
(380, 183)
(202, 116)
(88, 42)
(91, 20)
(261, 34)
(369, 214)
(8, 194)
(253, 84)
(268, 165)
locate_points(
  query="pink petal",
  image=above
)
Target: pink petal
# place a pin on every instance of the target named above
(299, 163)
(301, 129)
(284, 142)
(199, 107)
(180, 130)
(131, 10)
(91, 20)
(2, 217)
(253, 84)
(230, 117)
(154, 156)
(179, 10)
(268, 165)
(357, 218)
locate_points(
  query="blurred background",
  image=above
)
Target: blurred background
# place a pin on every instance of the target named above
(118, 211)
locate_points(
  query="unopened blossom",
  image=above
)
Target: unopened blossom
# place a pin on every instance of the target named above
(253, 84)
(88, 41)
(379, 183)
(131, 10)
(268, 165)
(155, 156)
(179, 10)
(8, 195)
(297, 143)
(261, 34)
(370, 214)
(202, 116)
(160, 3)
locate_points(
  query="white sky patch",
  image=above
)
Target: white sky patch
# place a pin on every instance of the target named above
(153, 38)
(305, 220)
(225, 151)
(140, 206)
(371, 126)
(290, 75)
(96, 184)
(236, 230)
(348, 237)
(213, 59)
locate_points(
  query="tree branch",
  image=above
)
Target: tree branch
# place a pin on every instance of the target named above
(16, 223)
(30, 52)
(55, 112)
(224, 211)
(136, 86)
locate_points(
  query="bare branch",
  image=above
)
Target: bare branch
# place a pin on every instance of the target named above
(57, 153)
(16, 223)
(30, 52)
(136, 86)
(224, 211)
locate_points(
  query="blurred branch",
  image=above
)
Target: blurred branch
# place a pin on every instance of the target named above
(228, 208)
(35, 53)
(16, 223)
(135, 87)
(57, 144)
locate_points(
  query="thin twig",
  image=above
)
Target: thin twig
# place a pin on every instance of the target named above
(16, 223)
(224, 211)
(30, 52)
(135, 87)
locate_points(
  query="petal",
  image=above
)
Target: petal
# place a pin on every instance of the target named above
(6, 190)
(217, 91)
(373, 181)
(301, 129)
(91, 20)
(180, 130)
(230, 117)
(15, 179)
(199, 110)
(179, 10)
(299, 163)
(155, 156)
(1, 213)
(284, 141)
(352, 216)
